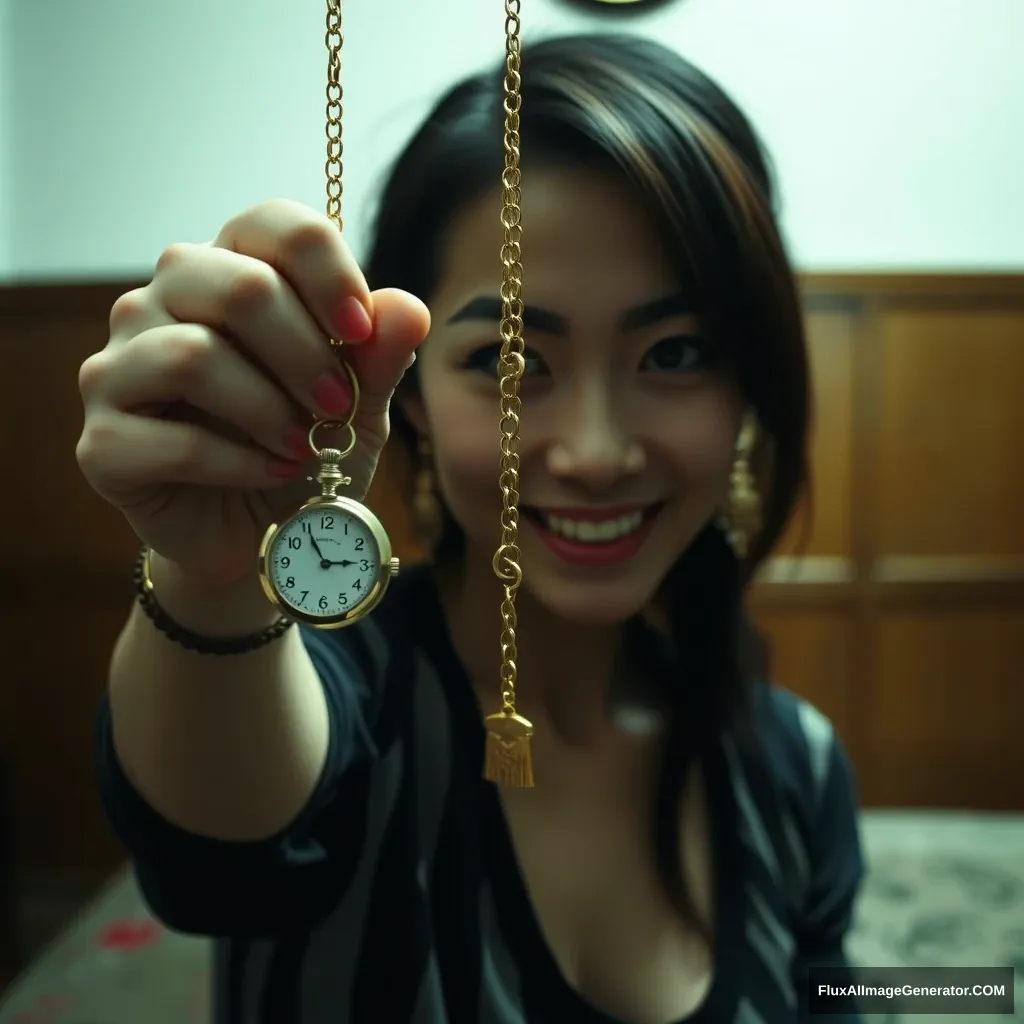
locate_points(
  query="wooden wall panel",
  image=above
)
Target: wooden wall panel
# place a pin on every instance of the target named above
(805, 599)
(822, 527)
(950, 461)
(55, 523)
(815, 653)
(50, 742)
(916, 564)
(910, 571)
(947, 723)
(945, 586)
(65, 562)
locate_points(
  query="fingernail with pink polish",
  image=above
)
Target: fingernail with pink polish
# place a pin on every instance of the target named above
(333, 393)
(351, 321)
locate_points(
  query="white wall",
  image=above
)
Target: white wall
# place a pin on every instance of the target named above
(897, 125)
(6, 135)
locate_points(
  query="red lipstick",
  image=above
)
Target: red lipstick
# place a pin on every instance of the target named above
(596, 553)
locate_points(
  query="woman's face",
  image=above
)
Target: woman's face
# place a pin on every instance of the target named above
(628, 425)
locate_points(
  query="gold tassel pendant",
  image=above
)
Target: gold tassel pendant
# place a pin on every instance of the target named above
(508, 760)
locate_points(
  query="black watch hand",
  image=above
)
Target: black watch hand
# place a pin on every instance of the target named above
(324, 563)
(344, 561)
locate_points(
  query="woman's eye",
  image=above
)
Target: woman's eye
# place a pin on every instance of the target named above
(682, 354)
(487, 359)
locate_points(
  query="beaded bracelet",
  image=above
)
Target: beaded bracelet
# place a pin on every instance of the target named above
(194, 641)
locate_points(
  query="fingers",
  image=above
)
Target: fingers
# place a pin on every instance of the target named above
(308, 251)
(277, 283)
(120, 453)
(401, 323)
(192, 364)
(249, 302)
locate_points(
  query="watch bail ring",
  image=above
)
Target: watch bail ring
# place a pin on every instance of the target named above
(353, 381)
(333, 425)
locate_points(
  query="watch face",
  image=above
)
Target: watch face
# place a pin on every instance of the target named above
(324, 563)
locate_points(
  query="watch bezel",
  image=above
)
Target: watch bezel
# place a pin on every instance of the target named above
(373, 596)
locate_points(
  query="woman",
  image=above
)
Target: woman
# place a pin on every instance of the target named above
(316, 802)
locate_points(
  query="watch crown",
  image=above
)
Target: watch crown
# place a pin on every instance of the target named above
(330, 457)
(393, 566)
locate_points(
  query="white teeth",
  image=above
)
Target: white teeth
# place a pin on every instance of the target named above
(590, 532)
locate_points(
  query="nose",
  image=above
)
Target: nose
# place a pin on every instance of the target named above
(595, 447)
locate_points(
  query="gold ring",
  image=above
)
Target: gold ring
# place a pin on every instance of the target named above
(333, 425)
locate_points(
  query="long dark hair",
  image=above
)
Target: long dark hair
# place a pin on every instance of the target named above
(692, 159)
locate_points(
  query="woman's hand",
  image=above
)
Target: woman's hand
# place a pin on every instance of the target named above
(197, 411)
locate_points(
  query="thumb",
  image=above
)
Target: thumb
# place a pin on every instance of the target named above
(400, 323)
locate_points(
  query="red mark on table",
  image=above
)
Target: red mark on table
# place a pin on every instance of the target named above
(128, 935)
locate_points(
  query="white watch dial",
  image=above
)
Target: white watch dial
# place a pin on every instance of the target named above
(324, 562)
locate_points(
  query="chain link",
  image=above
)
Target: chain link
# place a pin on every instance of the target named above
(506, 558)
(335, 95)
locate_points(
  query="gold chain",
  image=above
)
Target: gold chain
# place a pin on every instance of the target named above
(508, 759)
(508, 750)
(506, 559)
(333, 168)
(335, 94)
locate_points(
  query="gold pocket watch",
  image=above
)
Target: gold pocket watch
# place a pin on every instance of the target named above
(329, 563)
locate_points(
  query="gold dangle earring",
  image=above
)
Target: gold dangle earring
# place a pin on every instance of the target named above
(426, 506)
(508, 759)
(740, 520)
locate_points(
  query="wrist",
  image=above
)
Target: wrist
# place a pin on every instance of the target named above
(222, 607)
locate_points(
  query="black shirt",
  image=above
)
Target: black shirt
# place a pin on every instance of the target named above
(396, 895)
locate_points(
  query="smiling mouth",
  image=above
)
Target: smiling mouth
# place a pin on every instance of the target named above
(586, 529)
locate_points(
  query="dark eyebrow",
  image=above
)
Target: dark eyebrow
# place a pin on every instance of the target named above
(650, 313)
(488, 307)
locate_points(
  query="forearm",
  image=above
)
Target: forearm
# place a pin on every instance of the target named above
(225, 746)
